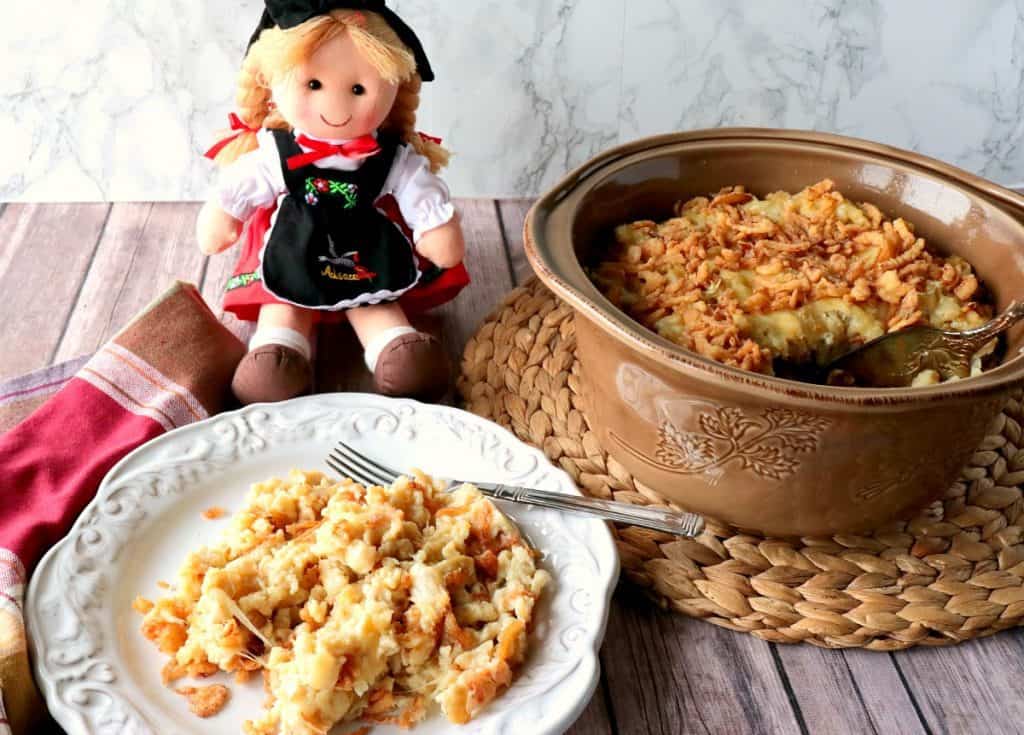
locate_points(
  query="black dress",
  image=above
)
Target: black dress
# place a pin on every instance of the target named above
(328, 247)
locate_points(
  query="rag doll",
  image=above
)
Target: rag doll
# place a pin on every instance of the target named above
(337, 195)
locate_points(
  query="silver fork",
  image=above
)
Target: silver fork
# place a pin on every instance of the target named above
(349, 462)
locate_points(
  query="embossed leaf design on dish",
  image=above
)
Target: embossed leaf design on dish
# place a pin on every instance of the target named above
(768, 461)
(793, 430)
(727, 424)
(767, 445)
(684, 449)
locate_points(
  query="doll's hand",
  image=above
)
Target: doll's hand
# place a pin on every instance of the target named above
(216, 230)
(443, 246)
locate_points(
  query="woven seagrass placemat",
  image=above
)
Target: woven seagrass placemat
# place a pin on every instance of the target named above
(953, 573)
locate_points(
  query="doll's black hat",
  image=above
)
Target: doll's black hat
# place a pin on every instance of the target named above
(290, 13)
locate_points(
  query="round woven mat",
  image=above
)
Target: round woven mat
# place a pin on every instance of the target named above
(953, 573)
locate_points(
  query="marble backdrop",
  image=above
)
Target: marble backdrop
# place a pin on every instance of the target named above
(116, 99)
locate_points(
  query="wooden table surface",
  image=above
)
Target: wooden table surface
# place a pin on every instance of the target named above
(72, 274)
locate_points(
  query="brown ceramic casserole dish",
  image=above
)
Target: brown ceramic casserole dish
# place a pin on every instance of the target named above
(764, 453)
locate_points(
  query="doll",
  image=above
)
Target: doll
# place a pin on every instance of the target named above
(338, 197)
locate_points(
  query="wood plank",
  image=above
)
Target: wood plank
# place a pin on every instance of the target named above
(669, 674)
(848, 691)
(144, 248)
(219, 269)
(513, 215)
(595, 719)
(340, 367)
(45, 251)
(487, 261)
(884, 692)
(969, 688)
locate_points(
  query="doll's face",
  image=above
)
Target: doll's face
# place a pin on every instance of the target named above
(336, 93)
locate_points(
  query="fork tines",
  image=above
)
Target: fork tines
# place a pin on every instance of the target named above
(349, 462)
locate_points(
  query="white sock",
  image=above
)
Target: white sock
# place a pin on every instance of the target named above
(382, 340)
(282, 336)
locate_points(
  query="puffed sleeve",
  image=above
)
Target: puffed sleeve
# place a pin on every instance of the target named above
(422, 197)
(253, 181)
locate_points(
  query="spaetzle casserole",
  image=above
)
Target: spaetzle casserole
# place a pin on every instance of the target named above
(799, 278)
(355, 603)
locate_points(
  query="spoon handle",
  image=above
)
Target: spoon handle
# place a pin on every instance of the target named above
(1010, 316)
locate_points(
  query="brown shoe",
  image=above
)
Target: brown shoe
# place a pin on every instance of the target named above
(271, 373)
(413, 366)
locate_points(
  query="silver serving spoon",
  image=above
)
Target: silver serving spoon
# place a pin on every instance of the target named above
(894, 360)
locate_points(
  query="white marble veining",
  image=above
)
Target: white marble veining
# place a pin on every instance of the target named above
(116, 99)
(940, 76)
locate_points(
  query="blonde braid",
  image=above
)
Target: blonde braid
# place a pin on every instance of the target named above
(402, 122)
(253, 103)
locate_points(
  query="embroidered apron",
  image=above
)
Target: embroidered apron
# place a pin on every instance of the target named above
(329, 247)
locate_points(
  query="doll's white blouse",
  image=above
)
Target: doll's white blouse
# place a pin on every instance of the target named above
(256, 181)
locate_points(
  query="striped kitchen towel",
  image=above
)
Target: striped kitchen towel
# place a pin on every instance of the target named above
(66, 427)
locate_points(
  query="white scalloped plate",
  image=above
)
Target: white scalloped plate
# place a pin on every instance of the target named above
(100, 676)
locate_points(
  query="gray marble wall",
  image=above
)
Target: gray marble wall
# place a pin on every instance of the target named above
(116, 99)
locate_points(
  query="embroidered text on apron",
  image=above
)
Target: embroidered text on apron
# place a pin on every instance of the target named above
(329, 247)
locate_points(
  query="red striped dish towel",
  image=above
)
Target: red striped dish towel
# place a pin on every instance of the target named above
(170, 367)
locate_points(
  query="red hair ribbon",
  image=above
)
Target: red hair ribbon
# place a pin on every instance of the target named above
(236, 124)
(430, 138)
(363, 147)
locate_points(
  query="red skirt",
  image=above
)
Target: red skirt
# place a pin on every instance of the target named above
(246, 295)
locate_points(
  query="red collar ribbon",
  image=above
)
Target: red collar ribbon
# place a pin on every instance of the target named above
(236, 124)
(430, 138)
(363, 147)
